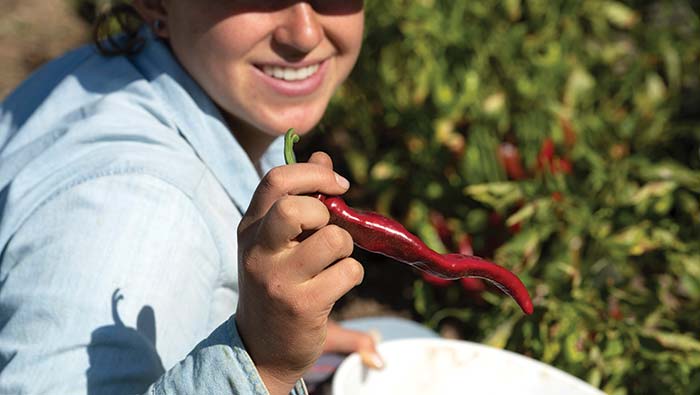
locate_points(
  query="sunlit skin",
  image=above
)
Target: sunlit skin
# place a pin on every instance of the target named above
(267, 33)
(270, 65)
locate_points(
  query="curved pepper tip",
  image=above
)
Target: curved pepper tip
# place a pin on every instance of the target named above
(290, 138)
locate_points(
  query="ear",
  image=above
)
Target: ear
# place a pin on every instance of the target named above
(154, 14)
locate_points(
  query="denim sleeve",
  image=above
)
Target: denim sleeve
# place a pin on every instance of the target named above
(222, 348)
(106, 289)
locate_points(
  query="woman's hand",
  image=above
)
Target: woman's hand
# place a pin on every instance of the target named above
(293, 267)
(346, 341)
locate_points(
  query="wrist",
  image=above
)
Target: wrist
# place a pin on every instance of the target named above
(276, 380)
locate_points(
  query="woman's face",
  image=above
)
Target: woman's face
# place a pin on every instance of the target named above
(269, 64)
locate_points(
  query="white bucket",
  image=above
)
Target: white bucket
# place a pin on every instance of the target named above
(441, 366)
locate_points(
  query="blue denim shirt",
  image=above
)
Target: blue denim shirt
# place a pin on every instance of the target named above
(121, 191)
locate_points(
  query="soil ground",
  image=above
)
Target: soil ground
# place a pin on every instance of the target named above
(33, 32)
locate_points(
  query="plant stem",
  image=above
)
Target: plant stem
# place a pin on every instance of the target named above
(289, 139)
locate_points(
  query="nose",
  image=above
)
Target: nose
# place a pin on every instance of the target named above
(300, 29)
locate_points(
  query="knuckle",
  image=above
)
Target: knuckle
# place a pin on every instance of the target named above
(286, 208)
(338, 239)
(320, 208)
(321, 158)
(327, 174)
(286, 298)
(353, 270)
(298, 307)
(274, 179)
(276, 291)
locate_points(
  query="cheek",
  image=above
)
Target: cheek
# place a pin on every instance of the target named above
(347, 32)
(206, 42)
(233, 38)
(213, 59)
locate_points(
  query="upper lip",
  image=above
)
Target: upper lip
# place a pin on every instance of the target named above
(295, 65)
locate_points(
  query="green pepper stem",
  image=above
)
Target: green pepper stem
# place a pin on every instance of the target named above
(289, 139)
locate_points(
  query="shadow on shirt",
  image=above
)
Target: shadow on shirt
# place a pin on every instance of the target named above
(124, 359)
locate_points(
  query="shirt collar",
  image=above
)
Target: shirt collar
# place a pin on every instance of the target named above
(201, 123)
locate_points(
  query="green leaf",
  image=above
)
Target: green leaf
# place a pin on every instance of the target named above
(579, 84)
(653, 190)
(514, 9)
(499, 337)
(676, 341)
(523, 214)
(498, 195)
(670, 171)
(619, 14)
(574, 349)
(358, 164)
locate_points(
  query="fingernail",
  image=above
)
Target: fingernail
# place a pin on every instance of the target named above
(342, 181)
(372, 360)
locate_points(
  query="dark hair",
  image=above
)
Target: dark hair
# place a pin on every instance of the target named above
(116, 30)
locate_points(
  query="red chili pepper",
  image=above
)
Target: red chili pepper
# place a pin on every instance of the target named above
(471, 285)
(510, 160)
(440, 225)
(434, 280)
(562, 165)
(545, 158)
(376, 233)
(548, 161)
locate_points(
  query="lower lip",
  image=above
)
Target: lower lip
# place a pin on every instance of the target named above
(296, 88)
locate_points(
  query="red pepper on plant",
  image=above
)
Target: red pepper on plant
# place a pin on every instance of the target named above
(562, 165)
(545, 158)
(376, 233)
(509, 156)
(548, 161)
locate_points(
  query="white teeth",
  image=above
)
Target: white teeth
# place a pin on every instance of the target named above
(290, 74)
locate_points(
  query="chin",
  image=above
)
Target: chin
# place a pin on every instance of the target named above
(302, 121)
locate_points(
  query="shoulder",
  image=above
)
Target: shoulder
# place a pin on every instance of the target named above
(86, 116)
(84, 82)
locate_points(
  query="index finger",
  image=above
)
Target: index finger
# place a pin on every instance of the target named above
(321, 158)
(294, 179)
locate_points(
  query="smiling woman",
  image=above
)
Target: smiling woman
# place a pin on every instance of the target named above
(126, 169)
(285, 35)
(293, 55)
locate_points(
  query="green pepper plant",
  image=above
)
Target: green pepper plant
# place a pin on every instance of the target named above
(562, 140)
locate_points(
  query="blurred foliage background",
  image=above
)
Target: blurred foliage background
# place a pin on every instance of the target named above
(561, 139)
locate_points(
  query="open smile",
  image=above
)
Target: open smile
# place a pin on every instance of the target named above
(293, 81)
(290, 73)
